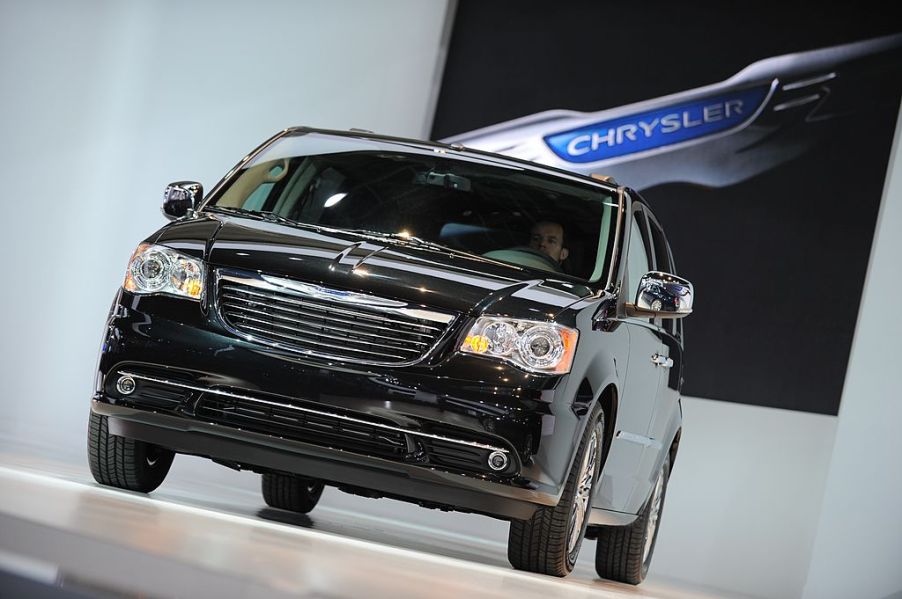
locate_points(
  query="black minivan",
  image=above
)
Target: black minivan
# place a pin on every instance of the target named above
(412, 320)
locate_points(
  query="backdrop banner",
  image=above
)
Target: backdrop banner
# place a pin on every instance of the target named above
(761, 144)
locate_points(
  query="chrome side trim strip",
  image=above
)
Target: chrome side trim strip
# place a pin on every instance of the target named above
(634, 438)
(396, 429)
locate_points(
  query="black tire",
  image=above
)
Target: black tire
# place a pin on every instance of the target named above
(125, 463)
(620, 551)
(292, 493)
(540, 544)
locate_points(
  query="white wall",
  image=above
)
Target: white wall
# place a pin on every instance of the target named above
(779, 504)
(742, 506)
(858, 550)
(104, 102)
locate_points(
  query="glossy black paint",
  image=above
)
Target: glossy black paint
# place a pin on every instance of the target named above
(539, 418)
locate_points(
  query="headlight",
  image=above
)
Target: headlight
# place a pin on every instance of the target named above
(158, 269)
(543, 347)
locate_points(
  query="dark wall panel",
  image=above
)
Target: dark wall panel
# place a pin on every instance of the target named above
(778, 259)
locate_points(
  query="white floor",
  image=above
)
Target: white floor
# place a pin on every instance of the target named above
(206, 532)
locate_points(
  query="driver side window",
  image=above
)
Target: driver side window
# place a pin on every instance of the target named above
(637, 263)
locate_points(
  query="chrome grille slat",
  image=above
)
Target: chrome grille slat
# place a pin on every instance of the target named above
(320, 333)
(293, 300)
(310, 319)
(323, 328)
(325, 316)
(307, 339)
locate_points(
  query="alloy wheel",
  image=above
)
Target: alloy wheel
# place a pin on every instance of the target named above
(652, 525)
(583, 495)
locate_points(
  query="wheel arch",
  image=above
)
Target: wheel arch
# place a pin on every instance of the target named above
(608, 399)
(674, 447)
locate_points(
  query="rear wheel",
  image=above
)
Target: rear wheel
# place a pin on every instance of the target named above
(623, 553)
(549, 542)
(125, 463)
(292, 493)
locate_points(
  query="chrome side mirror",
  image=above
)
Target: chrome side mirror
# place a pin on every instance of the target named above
(181, 199)
(664, 295)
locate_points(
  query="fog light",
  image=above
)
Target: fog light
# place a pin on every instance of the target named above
(498, 460)
(125, 385)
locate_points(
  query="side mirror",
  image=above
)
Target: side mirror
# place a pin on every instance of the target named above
(663, 295)
(181, 199)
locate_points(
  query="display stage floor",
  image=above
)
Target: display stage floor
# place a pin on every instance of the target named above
(207, 532)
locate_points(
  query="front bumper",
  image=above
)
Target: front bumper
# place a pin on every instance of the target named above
(434, 488)
(448, 413)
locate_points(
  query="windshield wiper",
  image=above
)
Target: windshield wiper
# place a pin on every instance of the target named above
(398, 238)
(278, 218)
(267, 215)
(403, 239)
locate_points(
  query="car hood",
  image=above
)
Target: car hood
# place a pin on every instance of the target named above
(390, 268)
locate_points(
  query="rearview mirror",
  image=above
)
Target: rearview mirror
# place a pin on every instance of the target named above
(664, 295)
(181, 199)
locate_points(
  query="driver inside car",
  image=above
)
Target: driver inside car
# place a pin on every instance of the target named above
(548, 238)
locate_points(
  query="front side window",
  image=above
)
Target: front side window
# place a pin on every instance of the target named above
(469, 203)
(637, 262)
(662, 251)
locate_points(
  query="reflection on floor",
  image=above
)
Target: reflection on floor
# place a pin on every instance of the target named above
(207, 532)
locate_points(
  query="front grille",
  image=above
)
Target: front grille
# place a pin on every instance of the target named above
(318, 429)
(328, 328)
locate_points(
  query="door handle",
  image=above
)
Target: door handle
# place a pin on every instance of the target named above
(659, 360)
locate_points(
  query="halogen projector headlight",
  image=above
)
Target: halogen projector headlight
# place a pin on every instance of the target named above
(544, 347)
(158, 269)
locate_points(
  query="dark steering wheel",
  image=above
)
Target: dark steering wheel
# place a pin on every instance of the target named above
(545, 257)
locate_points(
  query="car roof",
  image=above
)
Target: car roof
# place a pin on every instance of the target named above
(456, 149)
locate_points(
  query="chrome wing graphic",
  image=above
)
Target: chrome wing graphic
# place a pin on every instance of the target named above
(717, 135)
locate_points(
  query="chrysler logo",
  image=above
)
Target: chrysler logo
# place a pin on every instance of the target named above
(657, 128)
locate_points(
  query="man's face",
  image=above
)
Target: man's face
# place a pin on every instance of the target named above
(548, 238)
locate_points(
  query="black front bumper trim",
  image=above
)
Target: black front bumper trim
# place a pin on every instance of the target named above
(340, 468)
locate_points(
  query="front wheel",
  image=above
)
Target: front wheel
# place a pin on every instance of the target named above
(623, 553)
(549, 542)
(125, 463)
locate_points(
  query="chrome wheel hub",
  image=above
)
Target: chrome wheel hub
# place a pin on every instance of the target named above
(654, 513)
(583, 495)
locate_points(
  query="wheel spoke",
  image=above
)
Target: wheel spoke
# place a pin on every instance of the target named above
(582, 495)
(653, 515)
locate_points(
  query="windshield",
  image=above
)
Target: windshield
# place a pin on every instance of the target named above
(466, 203)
